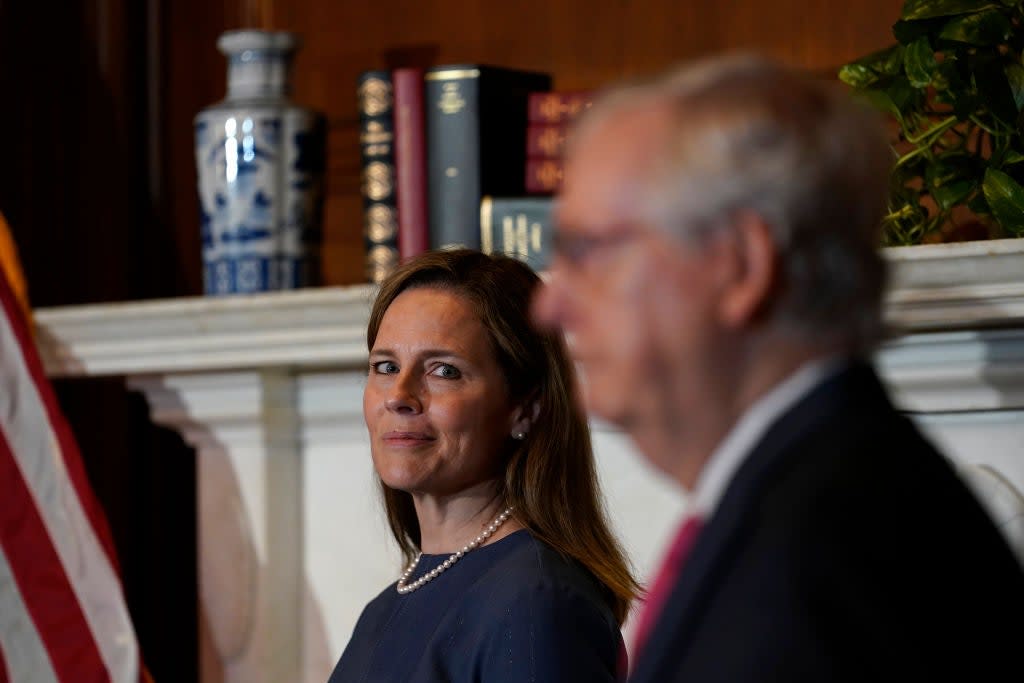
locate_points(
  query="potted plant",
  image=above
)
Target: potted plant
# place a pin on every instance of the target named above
(954, 84)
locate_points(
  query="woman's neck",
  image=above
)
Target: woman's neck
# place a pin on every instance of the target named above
(447, 523)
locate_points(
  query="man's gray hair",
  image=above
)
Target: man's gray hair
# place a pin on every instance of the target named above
(748, 134)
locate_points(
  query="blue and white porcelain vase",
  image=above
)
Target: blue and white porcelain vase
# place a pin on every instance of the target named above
(260, 161)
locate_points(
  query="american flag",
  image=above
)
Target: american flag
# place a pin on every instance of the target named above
(63, 616)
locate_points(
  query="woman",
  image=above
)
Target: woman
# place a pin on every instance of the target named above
(489, 486)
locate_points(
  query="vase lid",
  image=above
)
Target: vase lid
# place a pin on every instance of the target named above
(241, 40)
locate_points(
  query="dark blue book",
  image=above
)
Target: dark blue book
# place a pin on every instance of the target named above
(476, 119)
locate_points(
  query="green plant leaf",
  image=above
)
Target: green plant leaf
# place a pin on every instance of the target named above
(955, 83)
(1015, 77)
(926, 9)
(948, 196)
(1012, 157)
(919, 62)
(868, 70)
(984, 28)
(858, 75)
(1005, 196)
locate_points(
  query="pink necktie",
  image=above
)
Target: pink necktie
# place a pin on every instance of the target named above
(665, 580)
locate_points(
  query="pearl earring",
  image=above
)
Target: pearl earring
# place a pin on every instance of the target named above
(518, 436)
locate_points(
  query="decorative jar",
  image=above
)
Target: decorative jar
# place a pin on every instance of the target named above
(260, 163)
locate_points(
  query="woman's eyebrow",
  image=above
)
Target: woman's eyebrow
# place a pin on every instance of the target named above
(421, 353)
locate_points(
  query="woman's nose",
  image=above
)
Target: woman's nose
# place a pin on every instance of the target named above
(404, 395)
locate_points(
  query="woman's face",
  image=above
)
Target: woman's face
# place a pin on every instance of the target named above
(436, 402)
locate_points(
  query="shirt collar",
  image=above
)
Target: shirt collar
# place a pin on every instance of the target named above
(734, 449)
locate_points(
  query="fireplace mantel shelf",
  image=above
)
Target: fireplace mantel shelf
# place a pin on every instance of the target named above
(934, 288)
(304, 328)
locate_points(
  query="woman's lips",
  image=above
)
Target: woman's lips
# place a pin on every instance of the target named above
(407, 438)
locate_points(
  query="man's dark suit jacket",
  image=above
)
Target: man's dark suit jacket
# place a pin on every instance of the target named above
(844, 549)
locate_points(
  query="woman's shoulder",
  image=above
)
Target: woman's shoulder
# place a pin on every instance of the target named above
(533, 558)
(548, 610)
(533, 573)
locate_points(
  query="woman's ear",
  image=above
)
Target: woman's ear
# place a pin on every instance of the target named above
(523, 418)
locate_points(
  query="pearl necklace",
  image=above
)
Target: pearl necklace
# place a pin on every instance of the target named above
(403, 588)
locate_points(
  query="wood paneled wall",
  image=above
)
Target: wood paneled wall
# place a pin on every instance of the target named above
(583, 43)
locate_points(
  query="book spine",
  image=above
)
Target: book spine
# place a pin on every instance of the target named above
(410, 163)
(520, 227)
(377, 153)
(453, 155)
(543, 176)
(476, 144)
(546, 140)
(558, 106)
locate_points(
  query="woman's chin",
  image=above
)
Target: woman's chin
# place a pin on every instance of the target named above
(399, 481)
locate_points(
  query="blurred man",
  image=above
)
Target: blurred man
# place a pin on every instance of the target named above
(717, 272)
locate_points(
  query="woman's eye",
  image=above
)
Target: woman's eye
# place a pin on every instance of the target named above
(446, 371)
(384, 367)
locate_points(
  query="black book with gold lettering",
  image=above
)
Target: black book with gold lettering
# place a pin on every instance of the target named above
(476, 143)
(520, 227)
(377, 149)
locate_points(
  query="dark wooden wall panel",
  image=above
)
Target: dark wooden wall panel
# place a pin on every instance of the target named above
(583, 43)
(193, 75)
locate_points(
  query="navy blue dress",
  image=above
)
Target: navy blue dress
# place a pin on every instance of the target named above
(510, 612)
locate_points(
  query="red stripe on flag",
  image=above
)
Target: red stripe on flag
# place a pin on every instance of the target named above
(44, 585)
(3, 668)
(68, 446)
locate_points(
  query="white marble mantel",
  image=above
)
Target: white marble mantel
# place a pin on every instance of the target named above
(267, 388)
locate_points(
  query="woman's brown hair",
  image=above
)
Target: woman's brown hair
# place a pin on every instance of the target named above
(550, 476)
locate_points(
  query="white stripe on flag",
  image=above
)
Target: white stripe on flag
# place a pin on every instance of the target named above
(24, 651)
(37, 453)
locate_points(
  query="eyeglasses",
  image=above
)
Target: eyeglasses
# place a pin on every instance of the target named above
(576, 248)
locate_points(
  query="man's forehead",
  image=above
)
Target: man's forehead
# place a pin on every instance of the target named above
(606, 171)
(633, 131)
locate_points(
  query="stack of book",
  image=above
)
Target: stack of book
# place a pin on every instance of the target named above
(522, 226)
(549, 118)
(447, 154)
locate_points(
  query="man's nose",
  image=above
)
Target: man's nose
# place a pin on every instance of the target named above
(548, 303)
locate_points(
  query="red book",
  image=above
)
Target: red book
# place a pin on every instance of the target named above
(543, 176)
(546, 140)
(558, 106)
(410, 163)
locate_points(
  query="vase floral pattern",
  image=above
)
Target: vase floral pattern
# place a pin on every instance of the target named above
(260, 166)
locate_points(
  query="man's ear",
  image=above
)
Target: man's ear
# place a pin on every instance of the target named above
(755, 270)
